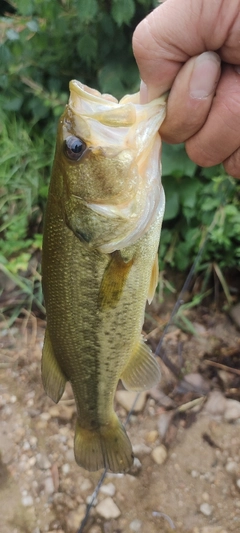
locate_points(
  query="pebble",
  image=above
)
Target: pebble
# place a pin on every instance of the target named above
(141, 449)
(27, 501)
(238, 483)
(194, 473)
(42, 462)
(95, 529)
(89, 500)
(49, 486)
(135, 525)
(108, 509)
(65, 468)
(206, 509)
(235, 314)
(74, 518)
(136, 467)
(216, 403)
(126, 399)
(86, 484)
(159, 454)
(163, 423)
(109, 489)
(152, 436)
(232, 410)
(232, 467)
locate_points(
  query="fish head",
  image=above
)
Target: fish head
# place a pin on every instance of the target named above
(108, 158)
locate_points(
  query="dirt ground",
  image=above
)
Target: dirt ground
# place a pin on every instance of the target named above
(186, 437)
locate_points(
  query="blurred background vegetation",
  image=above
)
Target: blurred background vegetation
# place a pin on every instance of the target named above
(44, 44)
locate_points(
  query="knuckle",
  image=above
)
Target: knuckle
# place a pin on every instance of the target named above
(200, 155)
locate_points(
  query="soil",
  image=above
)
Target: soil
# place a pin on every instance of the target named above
(192, 481)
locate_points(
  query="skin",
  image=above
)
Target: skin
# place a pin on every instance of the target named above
(192, 47)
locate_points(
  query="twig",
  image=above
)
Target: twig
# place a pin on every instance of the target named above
(222, 367)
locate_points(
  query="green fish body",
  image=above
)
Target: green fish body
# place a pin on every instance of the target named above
(101, 235)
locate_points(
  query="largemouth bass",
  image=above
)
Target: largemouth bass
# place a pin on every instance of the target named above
(101, 235)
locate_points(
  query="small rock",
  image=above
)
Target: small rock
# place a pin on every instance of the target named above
(89, 500)
(216, 403)
(86, 484)
(74, 518)
(66, 468)
(232, 467)
(107, 508)
(163, 423)
(141, 449)
(159, 454)
(206, 509)
(152, 436)
(70, 456)
(135, 525)
(109, 489)
(238, 483)
(194, 473)
(127, 398)
(95, 529)
(196, 382)
(232, 410)
(135, 468)
(27, 501)
(49, 486)
(42, 462)
(235, 314)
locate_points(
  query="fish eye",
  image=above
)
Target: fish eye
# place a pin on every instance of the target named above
(74, 147)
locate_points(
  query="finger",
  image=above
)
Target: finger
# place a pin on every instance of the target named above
(175, 31)
(220, 135)
(232, 164)
(191, 97)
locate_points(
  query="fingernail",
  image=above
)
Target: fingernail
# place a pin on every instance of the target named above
(143, 93)
(205, 75)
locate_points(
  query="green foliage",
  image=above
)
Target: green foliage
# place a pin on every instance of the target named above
(199, 201)
(45, 45)
(24, 167)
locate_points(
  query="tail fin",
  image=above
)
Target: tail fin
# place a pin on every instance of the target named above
(106, 447)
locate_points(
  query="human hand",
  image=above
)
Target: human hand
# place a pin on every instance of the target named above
(192, 47)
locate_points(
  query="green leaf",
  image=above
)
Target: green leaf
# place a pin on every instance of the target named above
(176, 162)
(25, 7)
(87, 9)
(188, 192)
(172, 198)
(122, 11)
(87, 48)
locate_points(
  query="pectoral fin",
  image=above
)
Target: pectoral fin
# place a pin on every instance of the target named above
(153, 280)
(52, 377)
(142, 371)
(113, 281)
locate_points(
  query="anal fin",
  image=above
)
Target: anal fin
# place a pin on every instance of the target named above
(142, 371)
(52, 377)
